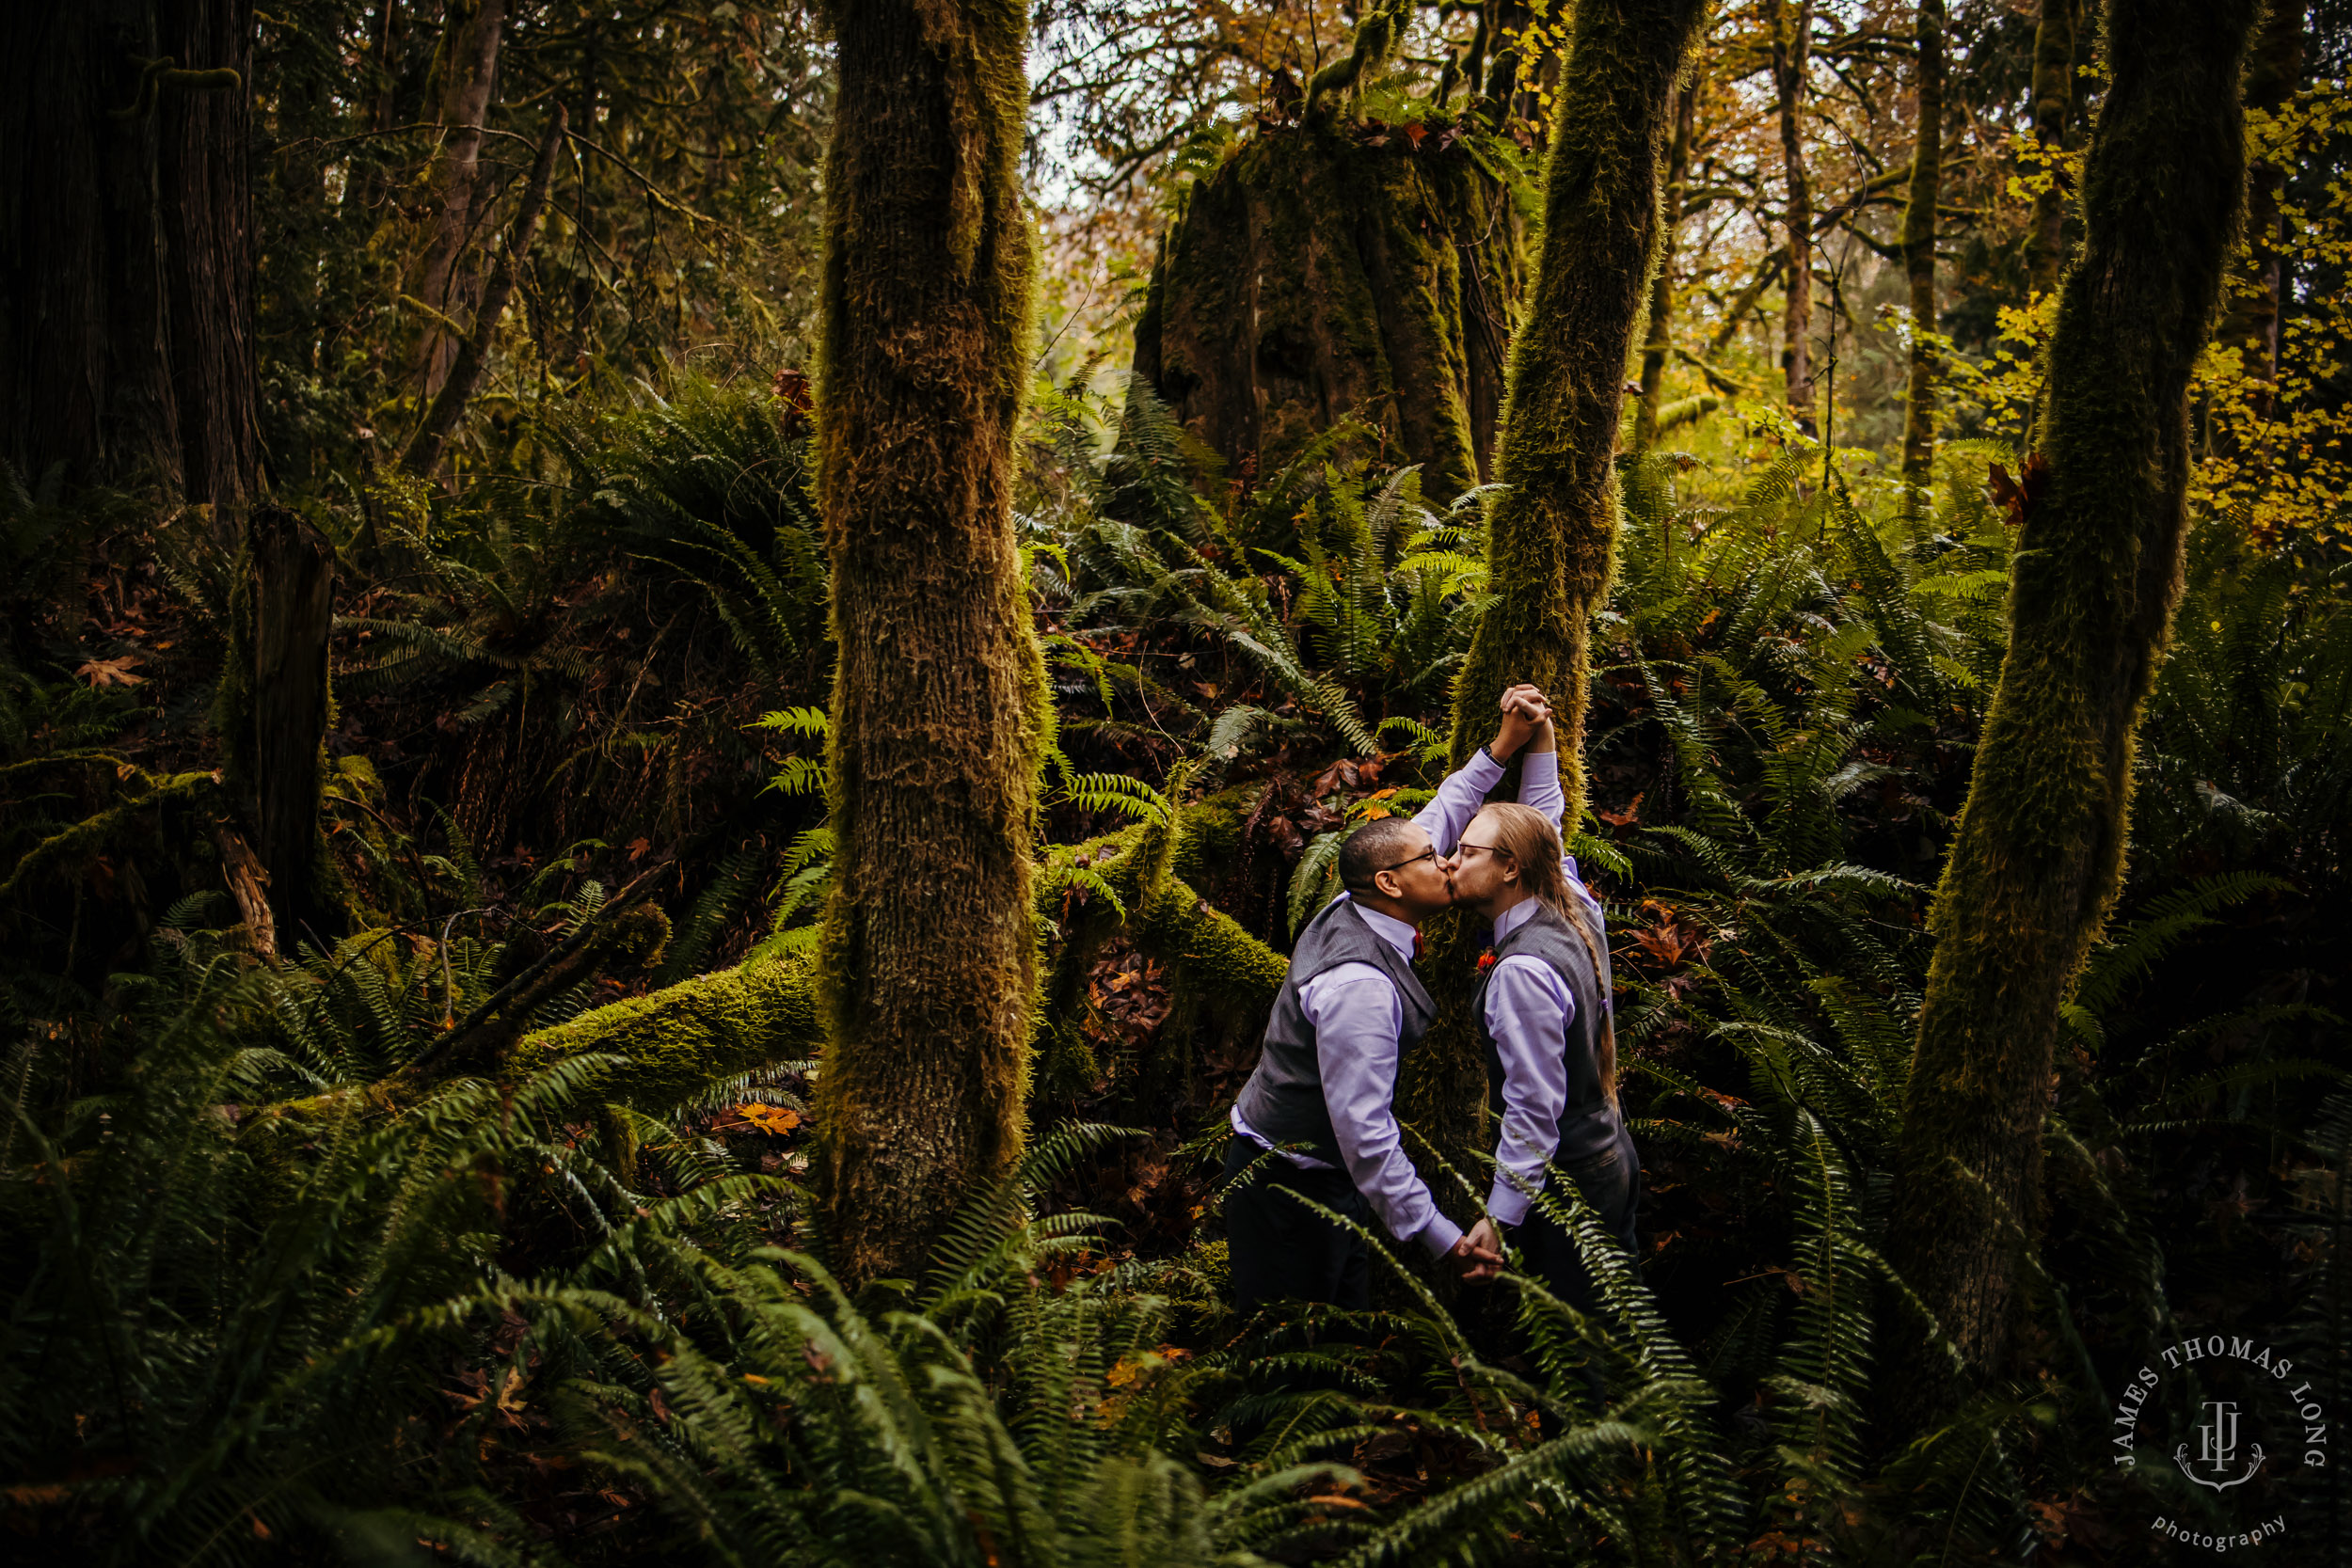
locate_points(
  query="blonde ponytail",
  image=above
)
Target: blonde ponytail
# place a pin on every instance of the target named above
(1526, 838)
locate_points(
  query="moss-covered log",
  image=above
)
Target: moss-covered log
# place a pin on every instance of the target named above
(2039, 855)
(1317, 274)
(1918, 243)
(930, 957)
(687, 1037)
(717, 1025)
(1552, 532)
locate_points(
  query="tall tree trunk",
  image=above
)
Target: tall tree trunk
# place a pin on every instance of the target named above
(270, 713)
(1792, 53)
(465, 69)
(206, 206)
(126, 254)
(473, 356)
(939, 693)
(2053, 99)
(2040, 854)
(1661, 290)
(1927, 169)
(1552, 532)
(2274, 73)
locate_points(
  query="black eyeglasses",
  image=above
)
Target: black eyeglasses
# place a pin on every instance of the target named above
(1429, 854)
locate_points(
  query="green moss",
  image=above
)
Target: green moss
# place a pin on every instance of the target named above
(1312, 276)
(2039, 855)
(106, 828)
(680, 1039)
(1551, 534)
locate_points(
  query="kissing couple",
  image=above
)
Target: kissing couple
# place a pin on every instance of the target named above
(1317, 1117)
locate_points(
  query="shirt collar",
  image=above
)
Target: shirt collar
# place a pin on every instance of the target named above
(1515, 916)
(1395, 932)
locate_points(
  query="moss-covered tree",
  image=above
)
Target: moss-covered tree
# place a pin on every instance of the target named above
(1329, 269)
(2053, 102)
(2039, 856)
(1551, 533)
(1918, 242)
(929, 950)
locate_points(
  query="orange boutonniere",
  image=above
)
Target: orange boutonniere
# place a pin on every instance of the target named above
(1485, 961)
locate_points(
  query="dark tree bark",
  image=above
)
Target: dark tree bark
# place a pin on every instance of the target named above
(1313, 278)
(929, 951)
(2039, 857)
(126, 253)
(271, 712)
(2052, 100)
(204, 183)
(1552, 532)
(1660, 343)
(465, 69)
(1792, 53)
(1918, 242)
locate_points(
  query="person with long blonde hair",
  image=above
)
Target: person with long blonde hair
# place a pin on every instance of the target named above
(1543, 1011)
(1314, 1129)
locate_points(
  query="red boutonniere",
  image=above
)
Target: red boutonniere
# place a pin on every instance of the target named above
(1485, 961)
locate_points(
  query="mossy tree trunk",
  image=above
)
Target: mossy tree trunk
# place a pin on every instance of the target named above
(2039, 856)
(1551, 534)
(1313, 276)
(931, 954)
(1792, 57)
(1660, 345)
(1918, 245)
(2052, 100)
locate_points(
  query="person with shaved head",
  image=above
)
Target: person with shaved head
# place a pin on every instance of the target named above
(1314, 1129)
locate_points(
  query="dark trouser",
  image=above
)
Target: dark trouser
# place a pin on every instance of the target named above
(1282, 1249)
(1611, 1183)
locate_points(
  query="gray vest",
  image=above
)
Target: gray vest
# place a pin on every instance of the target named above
(1283, 1100)
(1588, 1123)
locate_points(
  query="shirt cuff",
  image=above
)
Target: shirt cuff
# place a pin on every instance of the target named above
(1538, 766)
(1482, 772)
(1439, 1235)
(1508, 1204)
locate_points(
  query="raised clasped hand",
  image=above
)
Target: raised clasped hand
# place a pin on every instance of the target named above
(1525, 713)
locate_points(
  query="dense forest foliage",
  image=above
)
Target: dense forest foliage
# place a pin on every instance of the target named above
(674, 676)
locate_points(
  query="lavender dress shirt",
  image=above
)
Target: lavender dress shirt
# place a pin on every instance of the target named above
(1357, 1020)
(1528, 1012)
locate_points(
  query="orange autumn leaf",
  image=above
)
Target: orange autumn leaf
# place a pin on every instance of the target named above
(769, 1118)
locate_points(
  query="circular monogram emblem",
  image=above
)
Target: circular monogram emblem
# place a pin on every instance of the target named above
(2232, 1425)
